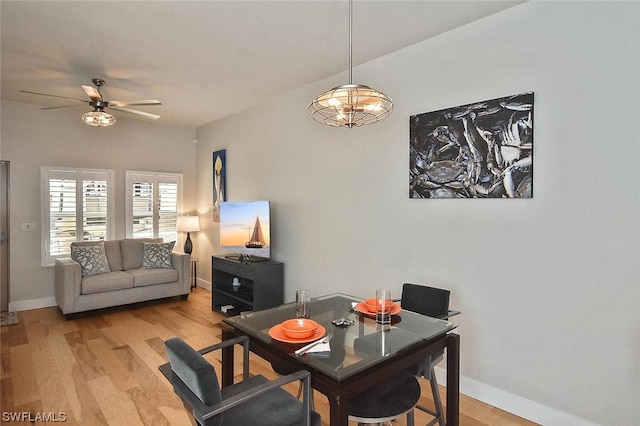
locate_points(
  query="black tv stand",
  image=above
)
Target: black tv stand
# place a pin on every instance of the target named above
(242, 287)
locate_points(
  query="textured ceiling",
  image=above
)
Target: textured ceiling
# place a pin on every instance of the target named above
(204, 59)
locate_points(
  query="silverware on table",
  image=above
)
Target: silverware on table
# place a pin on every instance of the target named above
(303, 350)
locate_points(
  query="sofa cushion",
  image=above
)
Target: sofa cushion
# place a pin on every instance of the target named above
(116, 280)
(114, 255)
(92, 258)
(132, 251)
(157, 255)
(144, 277)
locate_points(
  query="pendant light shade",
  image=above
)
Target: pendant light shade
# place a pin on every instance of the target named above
(351, 104)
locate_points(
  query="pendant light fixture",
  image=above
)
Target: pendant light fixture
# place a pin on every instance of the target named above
(351, 104)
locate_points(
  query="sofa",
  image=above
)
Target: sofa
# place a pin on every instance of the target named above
(103, 274)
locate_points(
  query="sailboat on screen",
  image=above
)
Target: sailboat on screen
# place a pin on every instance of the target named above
(257, 239)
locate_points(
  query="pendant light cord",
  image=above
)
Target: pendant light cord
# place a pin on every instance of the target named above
(351, 104)
(350, 41)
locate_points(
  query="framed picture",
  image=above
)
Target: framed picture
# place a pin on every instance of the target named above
(219, 181)
(480, 150)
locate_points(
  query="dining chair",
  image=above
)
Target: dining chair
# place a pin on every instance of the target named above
(432, 302)
(387, 401)
(253, 401)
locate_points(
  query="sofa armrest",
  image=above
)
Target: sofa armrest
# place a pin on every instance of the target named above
(68, 283)
(182, 263)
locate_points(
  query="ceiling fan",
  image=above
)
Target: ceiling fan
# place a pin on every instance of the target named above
(98, 117)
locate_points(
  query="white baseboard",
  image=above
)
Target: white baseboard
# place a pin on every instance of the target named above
(514, 404)
(203, 283)
(25, 305)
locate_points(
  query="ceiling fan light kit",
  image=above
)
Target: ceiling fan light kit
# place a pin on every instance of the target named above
(98, 117)
(350, 105)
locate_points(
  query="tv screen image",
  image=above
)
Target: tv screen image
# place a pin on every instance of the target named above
(245, 228)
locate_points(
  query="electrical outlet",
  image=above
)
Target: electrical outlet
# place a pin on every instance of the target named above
(27, 226)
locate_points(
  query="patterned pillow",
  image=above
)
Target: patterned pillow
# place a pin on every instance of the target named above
(92, 259)
(157, 255)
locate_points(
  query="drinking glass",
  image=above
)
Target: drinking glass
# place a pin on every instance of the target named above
(383, 306)
(303, 299)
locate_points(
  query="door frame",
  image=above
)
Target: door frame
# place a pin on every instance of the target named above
(4, 227)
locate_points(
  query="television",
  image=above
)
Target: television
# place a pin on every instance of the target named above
(245, 230)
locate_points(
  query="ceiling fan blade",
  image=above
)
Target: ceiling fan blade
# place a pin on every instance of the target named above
(62, 106)
(92, 92)
(54, 96)
(130, 103)
(134, 111)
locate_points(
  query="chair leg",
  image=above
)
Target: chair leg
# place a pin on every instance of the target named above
(410, 418)
(438, 413)
(311, 403)
(436, 398)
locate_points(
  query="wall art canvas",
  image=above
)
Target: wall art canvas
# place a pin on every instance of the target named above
(480, 150)
(219, 181)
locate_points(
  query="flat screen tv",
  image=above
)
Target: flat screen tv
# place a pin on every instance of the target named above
(245, 229)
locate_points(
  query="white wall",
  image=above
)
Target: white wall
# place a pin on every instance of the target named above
(32, 138)
(548, 286)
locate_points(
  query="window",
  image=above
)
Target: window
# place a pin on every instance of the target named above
(76, 206)
(153, 204)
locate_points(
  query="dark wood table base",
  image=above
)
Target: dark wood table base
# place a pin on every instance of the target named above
(339, 395)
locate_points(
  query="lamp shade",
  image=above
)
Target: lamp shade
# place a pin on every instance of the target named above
(188, 224)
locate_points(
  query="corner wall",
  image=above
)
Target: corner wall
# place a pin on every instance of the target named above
(548, 287)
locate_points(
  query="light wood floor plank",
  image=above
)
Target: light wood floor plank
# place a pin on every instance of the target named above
(102, 368)
(50, 381)
(117, 407)
(25, 385)
(107, 357)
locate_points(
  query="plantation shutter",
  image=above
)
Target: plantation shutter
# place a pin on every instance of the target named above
(153, 200)
(168, 206)
(76, 207)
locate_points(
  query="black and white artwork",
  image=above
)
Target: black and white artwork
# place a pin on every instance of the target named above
(480, 150)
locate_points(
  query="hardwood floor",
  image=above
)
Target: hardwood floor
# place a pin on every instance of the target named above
(102, 368)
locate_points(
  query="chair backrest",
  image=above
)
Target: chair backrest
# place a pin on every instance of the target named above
(424, 300)
(194, 370)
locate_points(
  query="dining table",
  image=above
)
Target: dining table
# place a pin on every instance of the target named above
(361, 352)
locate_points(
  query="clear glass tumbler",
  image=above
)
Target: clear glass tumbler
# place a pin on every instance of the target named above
(303, 300)
(383, 306)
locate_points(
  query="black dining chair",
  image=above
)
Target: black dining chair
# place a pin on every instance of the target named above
(431, 302)
(253, 401)
(387, 401)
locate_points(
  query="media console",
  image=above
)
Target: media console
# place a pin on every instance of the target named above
(240, 287)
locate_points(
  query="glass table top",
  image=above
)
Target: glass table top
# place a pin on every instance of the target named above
(353, 348)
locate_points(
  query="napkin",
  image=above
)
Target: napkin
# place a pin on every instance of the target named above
(321, 347)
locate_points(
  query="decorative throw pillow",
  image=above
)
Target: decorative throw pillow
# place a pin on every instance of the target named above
(157, 255)
(92, 259)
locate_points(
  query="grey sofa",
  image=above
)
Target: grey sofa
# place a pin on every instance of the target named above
(121, 279)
